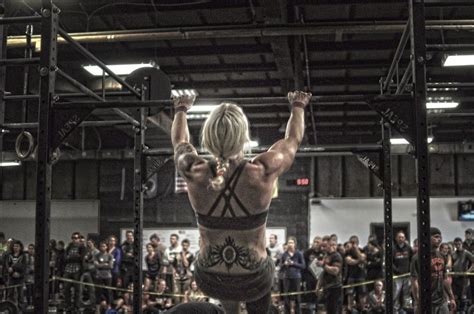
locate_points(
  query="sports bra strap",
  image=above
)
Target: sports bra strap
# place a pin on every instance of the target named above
(228, 192)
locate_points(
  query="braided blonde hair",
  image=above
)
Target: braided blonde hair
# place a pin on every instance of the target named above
(224, 135)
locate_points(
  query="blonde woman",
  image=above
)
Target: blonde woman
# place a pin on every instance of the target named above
(231, 196)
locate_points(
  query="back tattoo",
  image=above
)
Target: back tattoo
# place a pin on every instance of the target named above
(230, 254)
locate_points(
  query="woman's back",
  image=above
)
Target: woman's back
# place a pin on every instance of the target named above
(229, 222)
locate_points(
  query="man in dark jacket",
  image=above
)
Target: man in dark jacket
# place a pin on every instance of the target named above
(127, 258)
(74, 257)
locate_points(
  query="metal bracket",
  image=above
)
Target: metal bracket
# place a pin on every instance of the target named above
(398, 111)
(371, 161)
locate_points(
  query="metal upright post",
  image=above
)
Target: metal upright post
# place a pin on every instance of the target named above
(387, 217)
(418, 51)
(138, 175)
(43, 182)
(3, 72)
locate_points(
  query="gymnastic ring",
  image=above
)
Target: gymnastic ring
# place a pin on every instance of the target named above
(31, 145)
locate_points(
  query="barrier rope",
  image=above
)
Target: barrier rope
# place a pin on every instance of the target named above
(358, 284)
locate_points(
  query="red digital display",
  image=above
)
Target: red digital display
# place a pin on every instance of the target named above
(302, 181)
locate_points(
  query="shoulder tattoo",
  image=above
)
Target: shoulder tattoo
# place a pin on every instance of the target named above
(230, 254)
(184, 156)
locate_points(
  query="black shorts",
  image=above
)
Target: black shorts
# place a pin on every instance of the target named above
(359, 290)
(248, 287)
(152, 276)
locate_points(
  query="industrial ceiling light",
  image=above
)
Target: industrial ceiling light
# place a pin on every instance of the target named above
(402, 141)
(442, 105)
(458, 60)
(119, 69)
(181, 92)
(202, 108)
(12, 163)
(251, 144)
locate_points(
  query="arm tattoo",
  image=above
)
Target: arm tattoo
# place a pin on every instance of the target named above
(230, 254)
(185, 150)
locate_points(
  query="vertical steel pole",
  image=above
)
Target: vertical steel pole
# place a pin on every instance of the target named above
(3, 72)
(418, 51)
(43, 182)
(138, 175)
(387, 218)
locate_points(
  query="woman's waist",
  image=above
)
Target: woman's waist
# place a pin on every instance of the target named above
(232, 256)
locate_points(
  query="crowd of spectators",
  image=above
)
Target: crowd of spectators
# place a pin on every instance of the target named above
(328, 276)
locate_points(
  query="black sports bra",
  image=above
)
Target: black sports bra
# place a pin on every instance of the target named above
(246, 222)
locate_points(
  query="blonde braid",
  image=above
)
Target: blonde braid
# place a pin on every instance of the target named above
(218, 182)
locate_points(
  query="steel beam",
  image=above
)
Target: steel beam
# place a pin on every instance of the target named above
(92, 94)
(20, 20)
(96, 60)
(387, 205)
(19, 61)
(139, 177)
(3, 54)
(418, 51)
(34, 125)
(404, 81)
(246, 31)
(43, 182)
(397, 56)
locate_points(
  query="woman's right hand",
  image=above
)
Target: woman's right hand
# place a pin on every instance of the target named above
(186, 101)
(299, 97)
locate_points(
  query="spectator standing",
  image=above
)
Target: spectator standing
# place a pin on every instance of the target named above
(275, 253)
(3, 253)
(74, 256)
(89, 270)
(292, 262)
(183, 273)
(30, 274)
(312, 255)
(127, 266)
(468, 245)
(463, 261)
(374, 261)
(402, 256)
(16, 263)
(440, 288)
(172, 253)
(153, 264)
(116, 253)
(356, 273)
(331, 279)
(104, 263)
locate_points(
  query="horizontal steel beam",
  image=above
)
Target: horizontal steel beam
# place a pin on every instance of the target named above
(243, 31)
(19, 61)
(34, 125)
(20, 20)
(96, 60)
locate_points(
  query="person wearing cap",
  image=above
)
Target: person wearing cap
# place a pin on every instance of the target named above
(440, 287)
